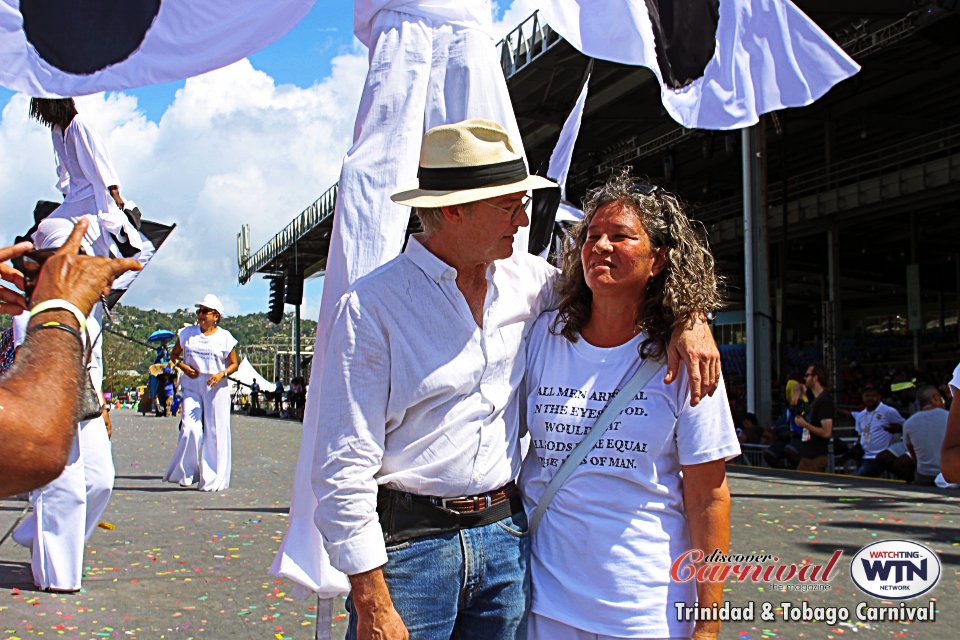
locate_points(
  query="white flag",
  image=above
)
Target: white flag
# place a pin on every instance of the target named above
(54, 48)
(720, 63)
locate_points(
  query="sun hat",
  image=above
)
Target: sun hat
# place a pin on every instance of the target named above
(465, 162)
(211, 301)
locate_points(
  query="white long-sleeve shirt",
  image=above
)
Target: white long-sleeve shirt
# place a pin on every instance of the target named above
(416, 396)
(84, 168)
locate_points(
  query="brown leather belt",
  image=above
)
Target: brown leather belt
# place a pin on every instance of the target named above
(471, 504)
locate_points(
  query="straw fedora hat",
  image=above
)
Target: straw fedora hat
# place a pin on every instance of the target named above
(465, 162)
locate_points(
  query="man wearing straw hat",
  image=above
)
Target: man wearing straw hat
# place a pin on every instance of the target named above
(420, 445)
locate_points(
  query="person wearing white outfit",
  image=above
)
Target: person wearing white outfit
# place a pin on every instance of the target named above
(432, 62)
(66, 511)
(653, 487)
(209, 355)
(89, 183)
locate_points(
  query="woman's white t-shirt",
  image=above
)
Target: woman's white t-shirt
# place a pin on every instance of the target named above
(206, 354)
(602, 554)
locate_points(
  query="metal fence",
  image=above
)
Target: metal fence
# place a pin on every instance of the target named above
(522, 46)
(298, 227)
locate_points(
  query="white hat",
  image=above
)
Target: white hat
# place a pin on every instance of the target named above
(211, 301)
(53, 233)
(465, 162)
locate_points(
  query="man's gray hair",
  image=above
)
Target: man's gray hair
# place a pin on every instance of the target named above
(430, 217)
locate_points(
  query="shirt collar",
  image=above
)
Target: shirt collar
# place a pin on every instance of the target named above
(435, 268)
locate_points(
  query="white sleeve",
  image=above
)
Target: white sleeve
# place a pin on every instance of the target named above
(93, 157)
(706, 432)
(63, 176)
(20, 323)
(955, 382)
(894, 416)
(350, 442)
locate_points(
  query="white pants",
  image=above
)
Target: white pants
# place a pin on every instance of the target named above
(203, 449)
(543, 628)
(421, 75)
(66, 511)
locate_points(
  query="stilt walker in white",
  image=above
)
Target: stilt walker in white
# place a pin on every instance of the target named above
(66, 511)
(431, 63)
(206, 354)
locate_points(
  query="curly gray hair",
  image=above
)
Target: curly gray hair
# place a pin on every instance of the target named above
(686, 288)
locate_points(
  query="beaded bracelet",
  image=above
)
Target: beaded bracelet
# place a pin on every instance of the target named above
(53, 324)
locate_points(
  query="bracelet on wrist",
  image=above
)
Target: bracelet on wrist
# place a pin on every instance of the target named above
(53, 324)
(59, 304)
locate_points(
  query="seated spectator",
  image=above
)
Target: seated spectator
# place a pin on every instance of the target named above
(923, 434)
(879, 426)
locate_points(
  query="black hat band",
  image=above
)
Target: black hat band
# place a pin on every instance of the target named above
(457, 178)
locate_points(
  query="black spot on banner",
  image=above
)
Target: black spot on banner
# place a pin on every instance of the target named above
(85, 37)
(685, 34)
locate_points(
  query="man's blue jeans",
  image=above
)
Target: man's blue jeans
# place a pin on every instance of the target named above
(468, 584)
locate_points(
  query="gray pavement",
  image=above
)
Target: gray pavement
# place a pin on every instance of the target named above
(181, 564)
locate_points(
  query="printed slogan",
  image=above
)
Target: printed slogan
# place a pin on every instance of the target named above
(568, 416)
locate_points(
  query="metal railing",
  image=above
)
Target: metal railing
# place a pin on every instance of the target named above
(298, 227)
(522, 46)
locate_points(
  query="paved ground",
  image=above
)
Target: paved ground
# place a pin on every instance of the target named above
(181, 564)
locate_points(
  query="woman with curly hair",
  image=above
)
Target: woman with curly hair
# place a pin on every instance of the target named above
(654, 486)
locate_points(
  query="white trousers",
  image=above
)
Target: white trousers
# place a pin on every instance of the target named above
(203, 452)
(66, 511)
(421, 75)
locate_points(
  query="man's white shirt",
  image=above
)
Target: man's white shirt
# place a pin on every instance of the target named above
(416, 396)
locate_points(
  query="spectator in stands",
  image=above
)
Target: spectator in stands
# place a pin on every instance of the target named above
(950, 452)
(923, 434)
(785, 436)
(903, 396)
(876, 425)
(817, 423)
(750, 431)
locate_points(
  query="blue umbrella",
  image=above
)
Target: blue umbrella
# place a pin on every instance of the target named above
(161, 335)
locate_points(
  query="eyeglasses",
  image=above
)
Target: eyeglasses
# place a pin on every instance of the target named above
(515, 213)
(204, 311)
(809, 374)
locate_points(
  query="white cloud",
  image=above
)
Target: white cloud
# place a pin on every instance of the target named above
(233, 147)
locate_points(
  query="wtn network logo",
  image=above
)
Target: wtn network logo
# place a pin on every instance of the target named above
(895, 569)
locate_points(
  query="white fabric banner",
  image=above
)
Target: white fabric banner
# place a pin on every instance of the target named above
(766, 54)
(562, 154)
(69, 49)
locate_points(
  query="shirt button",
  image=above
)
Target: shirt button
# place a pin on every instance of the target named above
(477, 478)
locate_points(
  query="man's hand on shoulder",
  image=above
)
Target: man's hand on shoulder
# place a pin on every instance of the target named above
(695, 347)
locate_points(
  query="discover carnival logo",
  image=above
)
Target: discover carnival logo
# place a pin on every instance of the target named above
(895, 569)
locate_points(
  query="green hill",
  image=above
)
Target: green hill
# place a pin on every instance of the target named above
(128, 351)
